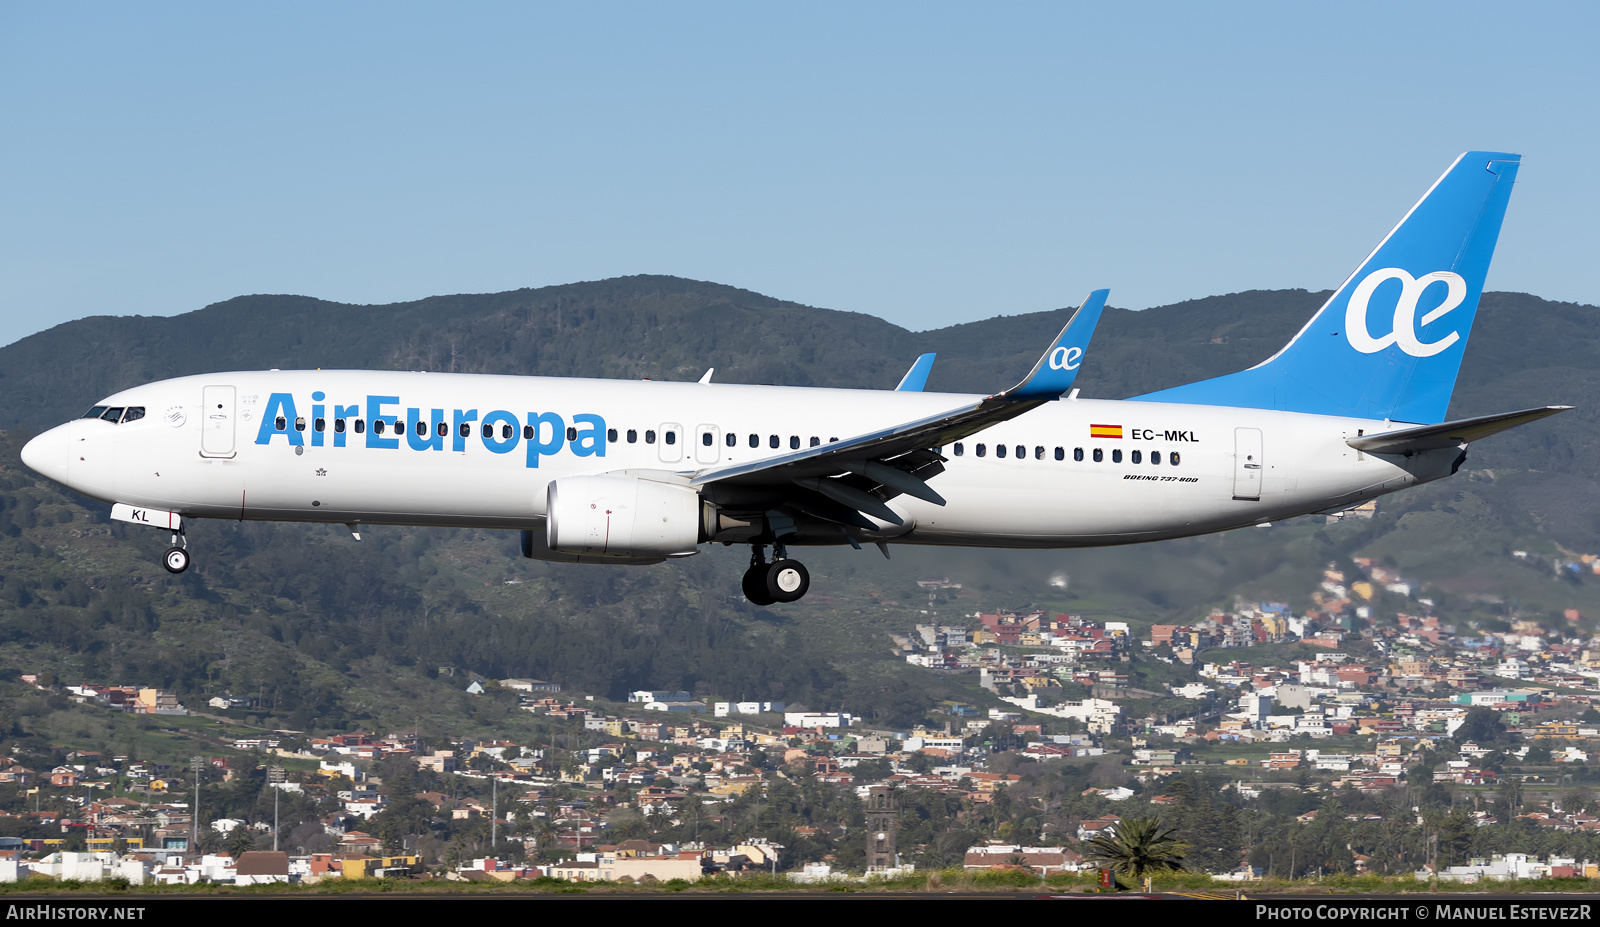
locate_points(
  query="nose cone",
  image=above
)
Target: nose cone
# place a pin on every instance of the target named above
(48, 454)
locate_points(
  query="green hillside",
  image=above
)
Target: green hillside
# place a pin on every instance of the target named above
(327, 632)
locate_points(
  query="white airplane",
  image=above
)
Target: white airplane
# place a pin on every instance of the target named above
(623, 472)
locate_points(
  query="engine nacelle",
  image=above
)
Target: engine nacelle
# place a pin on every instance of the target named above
(624, 517)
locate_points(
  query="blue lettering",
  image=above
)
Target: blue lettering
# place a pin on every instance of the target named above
(493, 422)
(343, 412)
(590, 441)
(375, 414)
(421, 434)
(458, 440)
(279, 405)
(537, 445)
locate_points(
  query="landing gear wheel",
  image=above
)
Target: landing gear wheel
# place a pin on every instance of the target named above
(787, 580)
(176, 560)
(755, 585)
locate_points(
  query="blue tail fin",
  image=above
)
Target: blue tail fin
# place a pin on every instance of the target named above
(1388, 344)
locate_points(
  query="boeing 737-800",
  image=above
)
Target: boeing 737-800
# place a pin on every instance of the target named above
(605, 471)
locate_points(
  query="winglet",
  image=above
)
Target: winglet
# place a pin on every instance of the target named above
(1058, 367)
(917, 377)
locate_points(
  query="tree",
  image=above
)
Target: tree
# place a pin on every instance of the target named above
(1137, 846)
(1484, 726)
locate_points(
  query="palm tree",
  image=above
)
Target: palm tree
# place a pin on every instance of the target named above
(1137, 846)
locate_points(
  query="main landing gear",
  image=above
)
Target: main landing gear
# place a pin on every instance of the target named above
(176, 559)
(782, 580)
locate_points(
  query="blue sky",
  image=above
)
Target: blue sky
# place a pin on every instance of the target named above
(926, 163)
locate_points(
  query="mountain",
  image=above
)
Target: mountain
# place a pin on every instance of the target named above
(1525, 351)
(326, 632)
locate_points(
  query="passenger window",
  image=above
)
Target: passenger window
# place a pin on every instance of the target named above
(1172, 458)
(1116, 456)
(833, 440)
(1022, 452)
(755, 440)
(999, 450)
(633, 436)
(611, 435)
(816, 441)
(1137, 457)
(1155, 457)
(960, 450)
(773, 441)
(572, 433)
(466, 430)
(979, 449)
(133, 414)
(670, 437)
(1061, 453)
(114, 415)
(794, 442)
(1077, 454)
(1038, 452)
(507, 431)
(1099, 455)
(361, 426)
(378, 425)
(320, 425)
(441, 428)
(732, 440)
(705, 438)
(527, 432)
(282, 424)
(338, 426)
(649, 436)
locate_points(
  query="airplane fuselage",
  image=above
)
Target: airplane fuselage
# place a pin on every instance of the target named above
(479, 451)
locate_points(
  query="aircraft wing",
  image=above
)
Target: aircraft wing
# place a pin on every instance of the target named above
(1448, 434)
(881, 464)
(917, 377)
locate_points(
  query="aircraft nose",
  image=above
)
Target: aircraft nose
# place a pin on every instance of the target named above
(48, 454)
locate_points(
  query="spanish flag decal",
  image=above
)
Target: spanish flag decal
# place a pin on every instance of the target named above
(1105, 431)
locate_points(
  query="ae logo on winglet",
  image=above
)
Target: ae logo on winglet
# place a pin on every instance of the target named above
(1064, 358)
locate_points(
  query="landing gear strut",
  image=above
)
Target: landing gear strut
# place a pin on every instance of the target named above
(782, 580)
(176, 559)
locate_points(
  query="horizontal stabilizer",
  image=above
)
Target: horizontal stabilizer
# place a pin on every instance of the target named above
(917, 377)
(1448, 434)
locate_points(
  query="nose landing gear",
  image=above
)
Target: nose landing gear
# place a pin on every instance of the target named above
(176, 559)
(782, 580)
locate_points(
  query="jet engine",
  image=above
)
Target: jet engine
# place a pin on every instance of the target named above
(622, 517)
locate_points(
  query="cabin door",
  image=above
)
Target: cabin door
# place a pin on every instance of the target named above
(217, 419)
(1247, 463)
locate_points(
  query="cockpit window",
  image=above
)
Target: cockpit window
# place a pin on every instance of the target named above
(115, 414)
